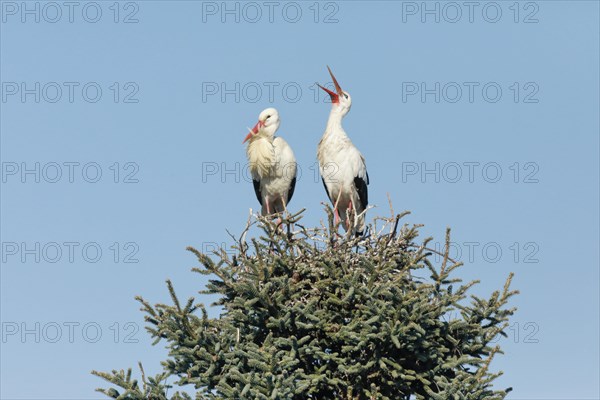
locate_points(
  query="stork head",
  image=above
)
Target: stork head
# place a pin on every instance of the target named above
(267, 125)
(340, 99)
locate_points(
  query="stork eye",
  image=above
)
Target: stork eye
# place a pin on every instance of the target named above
(346, 96)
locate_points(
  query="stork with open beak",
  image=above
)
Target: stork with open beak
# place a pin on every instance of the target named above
(272, 164)
(342, 166)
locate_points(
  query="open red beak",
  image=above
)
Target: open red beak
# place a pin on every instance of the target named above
(254, 130)
(335, 97)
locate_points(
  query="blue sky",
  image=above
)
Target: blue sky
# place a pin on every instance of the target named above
(485, 121)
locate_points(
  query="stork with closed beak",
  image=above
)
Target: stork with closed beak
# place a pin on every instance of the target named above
(342, 166)
(272, 164)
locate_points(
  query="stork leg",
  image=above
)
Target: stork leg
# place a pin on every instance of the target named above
(284, 206)
(280, 220)
(290, 226)
(335, 208)
(267, 203)
(271, 246)
(336, 216)
(350, 208)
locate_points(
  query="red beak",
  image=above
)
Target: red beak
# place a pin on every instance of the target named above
(335, 97)
(254, 130)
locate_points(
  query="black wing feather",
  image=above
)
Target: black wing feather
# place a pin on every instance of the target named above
(326, 190)
(363, 192)
(257, 190)
(291, 190)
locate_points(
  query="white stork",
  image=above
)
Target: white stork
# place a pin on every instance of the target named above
(272, 164)
(342, 167)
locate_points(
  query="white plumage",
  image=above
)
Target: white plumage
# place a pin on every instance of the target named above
(272, 164)
(342, 166)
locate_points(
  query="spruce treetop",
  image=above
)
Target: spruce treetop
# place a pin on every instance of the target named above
(309, 314)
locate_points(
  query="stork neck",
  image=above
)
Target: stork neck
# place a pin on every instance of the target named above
(334, 123)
